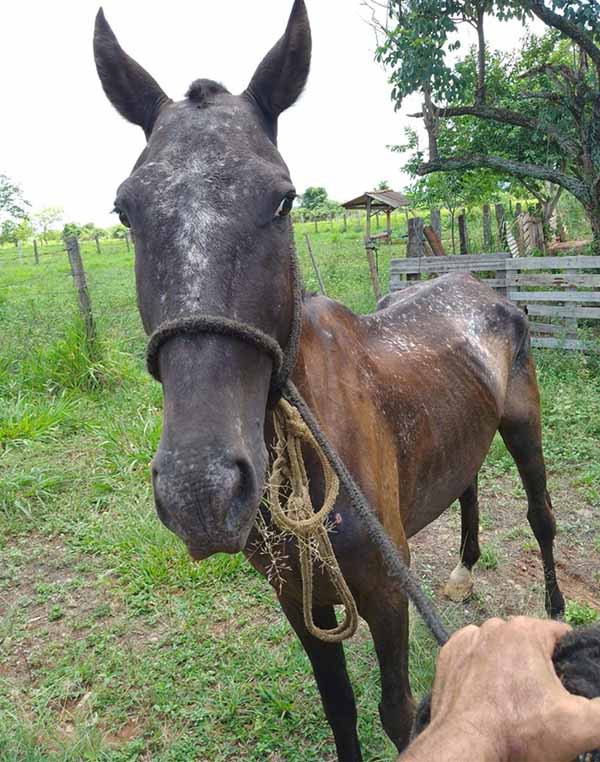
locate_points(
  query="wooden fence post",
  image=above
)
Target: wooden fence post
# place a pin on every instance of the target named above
(36, 254)
(85, 304)
(501, 222)
(371, 248)
(315, 265)
(487, 228)
(127, 240)
(97, 239)
(571, 323)
(20, 250)
(316, 224)
(345, 222)
(436, 222)
(415, 246)
(462, 232)
(434, 242)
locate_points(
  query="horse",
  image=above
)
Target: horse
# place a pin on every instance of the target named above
(410, 396)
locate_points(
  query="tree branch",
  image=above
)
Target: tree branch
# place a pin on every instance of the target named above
(516, 168)
(506, 116)
(568, 28)
(534, 192)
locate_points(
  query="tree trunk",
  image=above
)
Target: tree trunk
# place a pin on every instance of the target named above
(430, 119)
(594, 215)
(480, 94)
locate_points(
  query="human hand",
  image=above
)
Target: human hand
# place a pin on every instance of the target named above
(497, 688)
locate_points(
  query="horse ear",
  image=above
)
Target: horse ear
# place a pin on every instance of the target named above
(282, 74)
(129, 87)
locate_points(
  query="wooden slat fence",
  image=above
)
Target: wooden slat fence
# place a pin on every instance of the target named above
(560, 290)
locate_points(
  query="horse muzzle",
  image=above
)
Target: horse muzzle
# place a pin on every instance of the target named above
(209, 504)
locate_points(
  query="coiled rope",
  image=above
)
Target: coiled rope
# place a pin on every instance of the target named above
(288, 474)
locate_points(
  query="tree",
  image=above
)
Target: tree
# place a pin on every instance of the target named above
(71, 230)
(542, 115)
(15, 231)
(12, 204)
(314, 197)
(46, 218)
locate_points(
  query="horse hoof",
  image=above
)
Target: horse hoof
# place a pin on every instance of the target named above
(460, 585)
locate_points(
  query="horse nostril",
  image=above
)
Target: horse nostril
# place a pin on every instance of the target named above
(246, 482)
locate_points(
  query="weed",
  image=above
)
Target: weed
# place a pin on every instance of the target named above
(489, 557)
(577, 613)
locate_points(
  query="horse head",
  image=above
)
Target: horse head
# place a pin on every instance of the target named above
(208, 205)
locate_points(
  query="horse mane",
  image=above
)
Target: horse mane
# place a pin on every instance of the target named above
(202, 91)
(577, 664)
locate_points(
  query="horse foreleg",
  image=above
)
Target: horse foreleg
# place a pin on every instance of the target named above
(460, 585)
(387, 617)
(329, 667)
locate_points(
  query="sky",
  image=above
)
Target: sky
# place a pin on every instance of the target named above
(65, 145)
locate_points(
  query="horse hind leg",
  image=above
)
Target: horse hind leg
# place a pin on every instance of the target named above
(460, 585)
(521, 430)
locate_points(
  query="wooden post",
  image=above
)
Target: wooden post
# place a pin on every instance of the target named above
(487, 228)
(345, 222)
(370, 247)
(436, 222)
(85, 305)
(523, 235)
(415, 247)
(315, 265)
(20, 250)
(316, 224)
(571, 323)
(501, 222)
(462, 232)
(36, 254)
(388, 215)
(97, 239)
(434, 242)
(127, 240)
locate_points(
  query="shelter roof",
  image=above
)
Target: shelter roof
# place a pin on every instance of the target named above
(379, 200)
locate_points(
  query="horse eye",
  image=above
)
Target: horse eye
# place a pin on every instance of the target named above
(123, 218)
(285, 207)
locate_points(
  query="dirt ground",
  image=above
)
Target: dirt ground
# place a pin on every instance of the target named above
(515, 585)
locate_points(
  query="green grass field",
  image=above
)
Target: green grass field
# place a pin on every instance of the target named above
(113, 645)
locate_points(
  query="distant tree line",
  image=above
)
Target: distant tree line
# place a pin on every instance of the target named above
(18, 223)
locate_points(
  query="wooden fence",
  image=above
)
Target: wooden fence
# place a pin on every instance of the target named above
(557, 291)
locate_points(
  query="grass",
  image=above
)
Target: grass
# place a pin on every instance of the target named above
(115, 647)
(489, 557)
(577, 613)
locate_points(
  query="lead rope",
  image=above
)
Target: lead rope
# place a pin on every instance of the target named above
(288, 475)
(283, 388)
